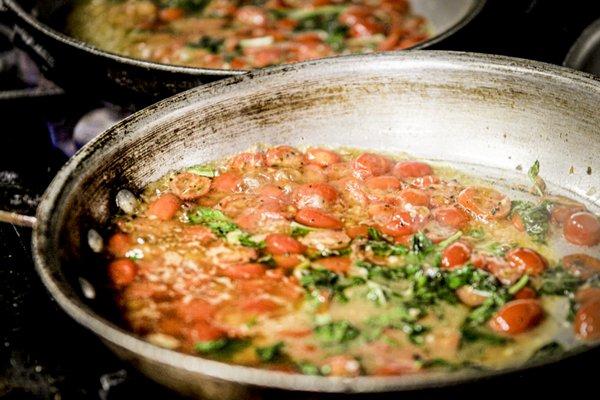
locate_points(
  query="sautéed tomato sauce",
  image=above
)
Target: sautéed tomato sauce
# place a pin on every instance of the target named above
(241, 34)
(346, 263)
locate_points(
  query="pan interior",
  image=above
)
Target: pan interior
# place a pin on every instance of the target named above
(484, 115)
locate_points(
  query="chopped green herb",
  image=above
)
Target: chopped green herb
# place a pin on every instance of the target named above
(299, 229)
(384, 249)
(520, 284)
(213, 219)
(189, 5)
(448, 241)
(336, 332)
(246, 240)
(211, 345)
(533, 173)
(421, 243)
(203, 170)
(269, 353)
(374, 234)
(476, 233)
(309, 368)
(558, 281)
(535, 218)
(548, 351)
(472, 334)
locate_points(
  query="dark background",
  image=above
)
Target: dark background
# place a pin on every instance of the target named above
(44, 354)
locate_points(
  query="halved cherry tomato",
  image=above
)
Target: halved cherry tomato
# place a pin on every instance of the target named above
(313, 173)
(259, 306)
(586, 294)
(423, 182)
(451, 216)
(485, 203)
(501, 269)
(119, 244)
(356, 231)
(165, 207)
(317, 219)
(517, 316)
(122, 271)
(526, 260)
(315, 195)
(411, 169)
(587, 320)
(469, 296)
(561, 212)
(244, 271)
(383, 182)
(244, 161)
(284, 156)
(335, 264)
(414, 197)
(582, 265)
(287, 261)
(227, 182)
(189, 186)
(277, 243)
(526, 293)
(203, 331)
(322, 157)
(197, 233)
(194, 310)
(343, 365)
(399, 223)
(170, 14)
(582, 228)
(369, 164)
(455, 255)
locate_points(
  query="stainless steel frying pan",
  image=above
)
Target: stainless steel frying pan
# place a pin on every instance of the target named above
(485, 114)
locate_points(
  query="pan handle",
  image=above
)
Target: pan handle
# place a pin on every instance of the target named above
(14, 218)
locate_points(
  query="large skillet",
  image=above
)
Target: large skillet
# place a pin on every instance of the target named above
(487, 114)
(121, 80)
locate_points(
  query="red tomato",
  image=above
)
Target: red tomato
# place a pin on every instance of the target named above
(526, 293)
(502, 270)
(411, 169)
(315, 195)
(284, 156)
(582, 228)
(197, 233)
(317, 219)
(122, 272)
(517, 316)
(383, 182)
(164, 207)
(368, 164)
(343, 365)
(425, 181)
(339, 170)
(582, 265)
(245, 161)
(272, 191)
(485, 203)
(227, 182)
(277, 243)
(587, 320)
(189, 186)
(400, 223)
(119, 244)
(322, 157)
(586, 294)
(313, 173)
(526, 260)
(287, 261)
(244, 271)
(259, 306)
(414, 197)
(356, 231)
(450, 216)
(170, 14)
(455, 255)
(203, 331)
(252, 16)
(335, 264)
(194, 310)
(560, 213)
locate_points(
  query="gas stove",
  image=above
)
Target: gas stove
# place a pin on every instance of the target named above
(46, 355)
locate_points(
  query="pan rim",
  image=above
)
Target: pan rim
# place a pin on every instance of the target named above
(41, 27)
(109, 332)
